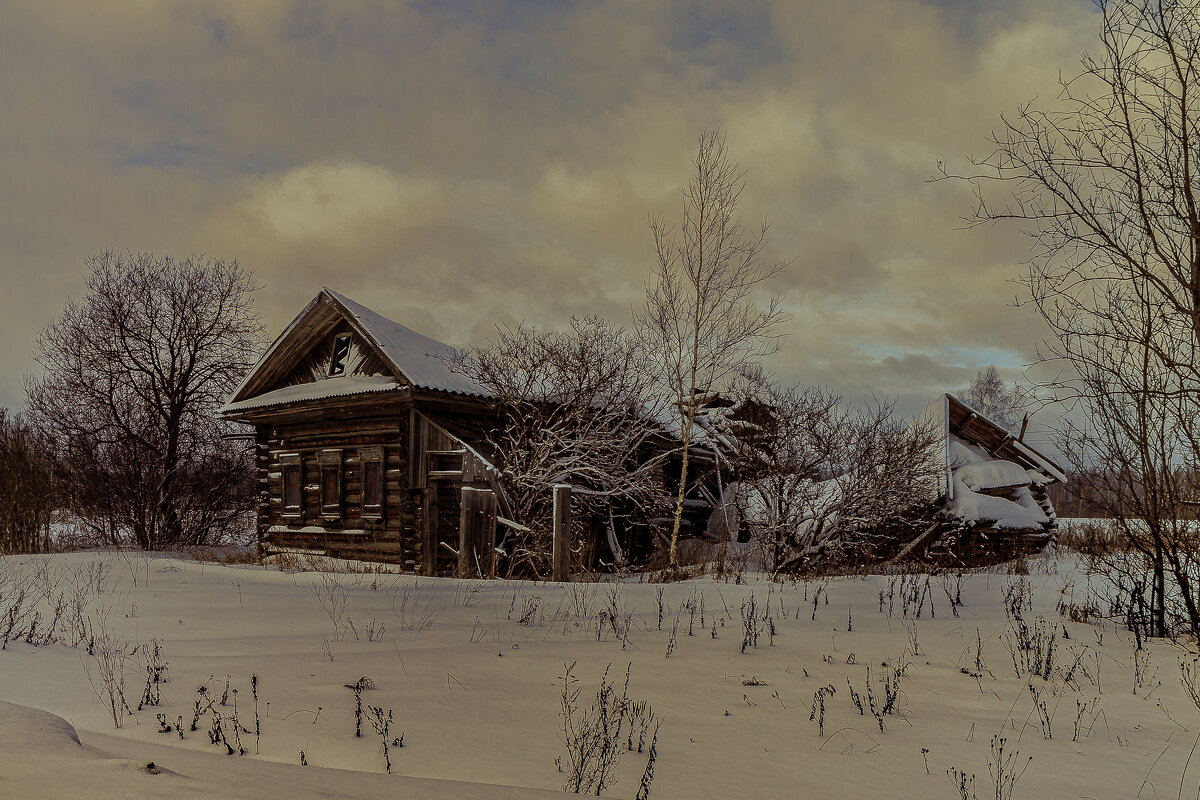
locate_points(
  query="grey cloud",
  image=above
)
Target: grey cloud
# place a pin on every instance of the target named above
(457, 164)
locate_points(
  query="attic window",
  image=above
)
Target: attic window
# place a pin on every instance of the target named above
(341, 350)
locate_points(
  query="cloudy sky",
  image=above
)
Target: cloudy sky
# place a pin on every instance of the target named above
(457, 164)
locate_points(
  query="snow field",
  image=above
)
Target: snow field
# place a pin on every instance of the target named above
(472, 672)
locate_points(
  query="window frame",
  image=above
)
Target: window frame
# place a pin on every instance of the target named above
(332, 495)
(291, 464)
(341, 343)
(371, 460)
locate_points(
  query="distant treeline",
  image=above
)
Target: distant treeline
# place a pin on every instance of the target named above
(1099, 494)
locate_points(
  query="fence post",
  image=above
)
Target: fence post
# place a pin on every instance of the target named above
(562, 532)
(487, 534)
(468, 523)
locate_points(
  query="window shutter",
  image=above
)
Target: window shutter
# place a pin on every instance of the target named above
(293, 495)
(330, 462)
(372, 482)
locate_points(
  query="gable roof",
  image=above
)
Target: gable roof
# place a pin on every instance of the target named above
(417, 358)
(411, 358)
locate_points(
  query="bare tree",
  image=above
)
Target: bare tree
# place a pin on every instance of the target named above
(775, 462)
(1104, 181)
(988, 394)
(29, 491)
(880, 493)
(574, 408)
(700, 318)
(132, 374)
(821, 483)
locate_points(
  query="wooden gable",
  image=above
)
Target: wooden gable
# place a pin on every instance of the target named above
(304, 351)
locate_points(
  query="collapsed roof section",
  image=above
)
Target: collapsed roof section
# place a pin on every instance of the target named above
(990, 476)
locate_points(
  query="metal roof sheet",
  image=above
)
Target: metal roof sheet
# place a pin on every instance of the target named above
(418, 357)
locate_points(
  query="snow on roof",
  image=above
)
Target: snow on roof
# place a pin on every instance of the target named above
(979, 474)
(418, 357)
(317, 390)
(1019, 513)
(975, 471)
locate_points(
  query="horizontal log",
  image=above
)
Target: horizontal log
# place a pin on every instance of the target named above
(379, 547)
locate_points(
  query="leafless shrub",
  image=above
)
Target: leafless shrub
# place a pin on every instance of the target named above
(106, 669)
(334, 598)
(576, 408)
(592, 737)
(963, 783)
(418, 610)
(1032, 648)
(155, 664)
(382, 723)
(882, 695)
(1005, 768)
(30, 487)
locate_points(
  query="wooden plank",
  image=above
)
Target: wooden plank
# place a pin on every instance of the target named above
(562, 533)
(417, 445)
(429, 527)
(487, 525)
(467, 533)
(477, 533)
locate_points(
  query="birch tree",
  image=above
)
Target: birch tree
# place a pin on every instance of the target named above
(702, 319)
(988, 395)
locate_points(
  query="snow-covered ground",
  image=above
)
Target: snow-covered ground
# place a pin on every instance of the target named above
(472, 672)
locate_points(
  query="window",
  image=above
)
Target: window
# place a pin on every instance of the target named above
(293, 500)
(341, 351)
(330, 462)
(372, 482)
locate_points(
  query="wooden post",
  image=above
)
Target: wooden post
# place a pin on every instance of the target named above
(429, 528)
(562, 532)
(468, 530)
(487, 532)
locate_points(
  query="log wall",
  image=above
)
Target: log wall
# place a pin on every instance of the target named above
(395, 538)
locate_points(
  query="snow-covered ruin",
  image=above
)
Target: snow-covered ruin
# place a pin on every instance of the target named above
(993, 487)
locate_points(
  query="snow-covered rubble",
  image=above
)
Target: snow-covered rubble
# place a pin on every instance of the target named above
(978, 480)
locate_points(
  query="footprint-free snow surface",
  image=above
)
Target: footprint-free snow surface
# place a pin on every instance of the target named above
(472, 673)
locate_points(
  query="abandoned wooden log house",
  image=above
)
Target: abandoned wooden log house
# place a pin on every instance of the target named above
(368, 446)
(354, 454)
